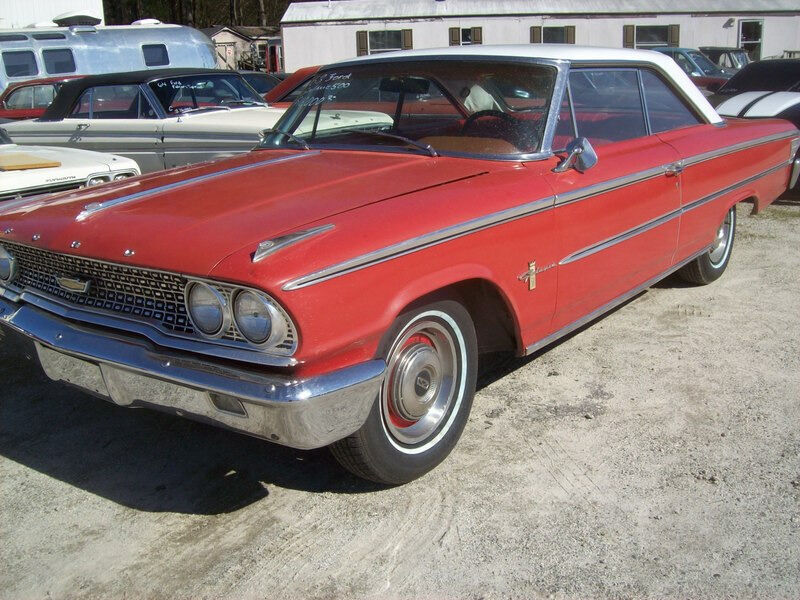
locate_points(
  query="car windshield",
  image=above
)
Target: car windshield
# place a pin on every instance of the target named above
(189, 93)
(765, 76)
(739, 58)
(459, 107)
(708, 67)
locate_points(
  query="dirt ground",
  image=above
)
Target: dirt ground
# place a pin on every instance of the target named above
(654, 453)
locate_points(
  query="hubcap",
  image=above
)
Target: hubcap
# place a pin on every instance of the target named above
(719, 248)
(419, 390)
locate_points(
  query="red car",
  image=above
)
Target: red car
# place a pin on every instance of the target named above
(285, 92)
(339, 284)
(29, 99)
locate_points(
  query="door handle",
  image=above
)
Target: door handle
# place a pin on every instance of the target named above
(674, 169)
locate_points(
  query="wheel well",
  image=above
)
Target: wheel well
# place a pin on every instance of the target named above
(495, 326)
(750, 200)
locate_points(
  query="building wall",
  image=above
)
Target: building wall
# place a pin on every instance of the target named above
(313, 44)
(14, 14)
(229, 48)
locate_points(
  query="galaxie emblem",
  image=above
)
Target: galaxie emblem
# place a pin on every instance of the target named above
(72, 284)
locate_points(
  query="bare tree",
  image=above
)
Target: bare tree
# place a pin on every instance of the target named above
(262, 14)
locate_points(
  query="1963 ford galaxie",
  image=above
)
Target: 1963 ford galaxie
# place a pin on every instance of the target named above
(337, 285)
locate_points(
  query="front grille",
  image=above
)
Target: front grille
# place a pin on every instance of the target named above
(44, 189)
(153, 297)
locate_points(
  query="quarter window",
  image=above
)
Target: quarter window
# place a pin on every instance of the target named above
(607, 104)
(113, 102)
(665, 110)
(155, 55)
(20, 63)
(58, 60)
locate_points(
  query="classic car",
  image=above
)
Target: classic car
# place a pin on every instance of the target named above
(704, 73)
(766, 88)
(33, 170)
(159, 118)
(29, 99)
(338, 286)
(730, 60)
(283, 94)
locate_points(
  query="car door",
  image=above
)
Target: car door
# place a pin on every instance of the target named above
(618, 221)
(117, 119)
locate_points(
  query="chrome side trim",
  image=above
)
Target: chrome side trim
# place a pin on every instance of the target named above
(795, 173)
(626, 235)
(420, 242)
(567, 329)
(698, 158)
(467, 227)
(95, 207)
(268, 247)
(301, 413)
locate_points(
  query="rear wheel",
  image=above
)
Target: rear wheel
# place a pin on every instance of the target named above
(424, 403)
(710, 265)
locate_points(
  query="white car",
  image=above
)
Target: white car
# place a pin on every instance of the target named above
(32, 170)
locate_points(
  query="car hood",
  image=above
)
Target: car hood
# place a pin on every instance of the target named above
(758, 104)
(253, 119)
(189, 219)
(73, 165)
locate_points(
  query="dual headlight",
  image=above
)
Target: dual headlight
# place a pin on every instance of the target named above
(255, 315)
(8, 266)
(106, 177)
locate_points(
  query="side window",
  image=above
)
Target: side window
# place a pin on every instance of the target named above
(155, 55)
(607, 105)
(20, 63)
(43, 95)
(565, 127)
(113, 102)
(665, 109)
(58, 60)
(20, 98)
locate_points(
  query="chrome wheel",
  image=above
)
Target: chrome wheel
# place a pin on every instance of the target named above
(420, 387)
(718, 252)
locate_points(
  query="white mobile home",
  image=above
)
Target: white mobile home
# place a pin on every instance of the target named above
(332, 30)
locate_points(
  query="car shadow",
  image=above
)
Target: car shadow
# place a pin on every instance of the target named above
(144, 459)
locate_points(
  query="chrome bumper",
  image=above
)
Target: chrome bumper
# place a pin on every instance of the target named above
(131, 372)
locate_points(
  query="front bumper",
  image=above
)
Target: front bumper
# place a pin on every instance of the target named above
(129, 371)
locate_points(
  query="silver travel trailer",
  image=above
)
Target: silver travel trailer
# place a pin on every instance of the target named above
(37, 52)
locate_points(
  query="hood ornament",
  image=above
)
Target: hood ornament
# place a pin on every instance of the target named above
(268, 247)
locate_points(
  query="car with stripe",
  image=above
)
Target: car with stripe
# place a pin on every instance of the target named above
(341, 285)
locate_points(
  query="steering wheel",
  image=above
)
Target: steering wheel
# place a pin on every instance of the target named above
(490, 112)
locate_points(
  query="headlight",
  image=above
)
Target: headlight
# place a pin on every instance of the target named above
(257, 318)
(208, 309)
(8, 265)
(97, 180)
(119, 176)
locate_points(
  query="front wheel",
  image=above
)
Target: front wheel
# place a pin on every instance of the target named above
(424, 403)
(710, 265)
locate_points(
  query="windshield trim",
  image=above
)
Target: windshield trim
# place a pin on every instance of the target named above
(559, 86)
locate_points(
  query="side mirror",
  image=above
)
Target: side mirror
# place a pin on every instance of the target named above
(580, 156)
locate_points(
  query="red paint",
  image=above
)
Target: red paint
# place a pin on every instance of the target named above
(27, 113)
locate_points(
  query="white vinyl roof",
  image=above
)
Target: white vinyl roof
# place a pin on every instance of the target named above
(349, 10)
(570, 53)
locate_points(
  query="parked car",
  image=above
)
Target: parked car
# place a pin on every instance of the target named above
(29, 99)
(730, 60)
(33, 170)
(291, 87)
(337, 286)
(161, 119)
(35, 52)
(260, 81)
(703, 73)
(767, 80)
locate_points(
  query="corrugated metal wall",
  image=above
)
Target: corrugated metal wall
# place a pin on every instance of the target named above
(16, 13)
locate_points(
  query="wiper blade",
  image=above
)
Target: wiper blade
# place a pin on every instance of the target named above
(185, 111)
(291, 136)
(425, 147)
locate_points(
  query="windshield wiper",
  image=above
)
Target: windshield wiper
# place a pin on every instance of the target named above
(291, 136)
(186, 111)
(425, 147)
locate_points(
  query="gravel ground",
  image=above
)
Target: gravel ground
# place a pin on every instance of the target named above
(654, 453)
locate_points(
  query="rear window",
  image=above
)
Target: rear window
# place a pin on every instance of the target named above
(58, 61)
(20, 63)
(155, 55)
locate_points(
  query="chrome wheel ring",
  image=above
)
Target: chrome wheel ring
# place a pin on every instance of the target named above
(720, 249)
(418, 393)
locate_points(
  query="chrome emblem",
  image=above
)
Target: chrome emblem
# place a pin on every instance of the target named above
(71, 284)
